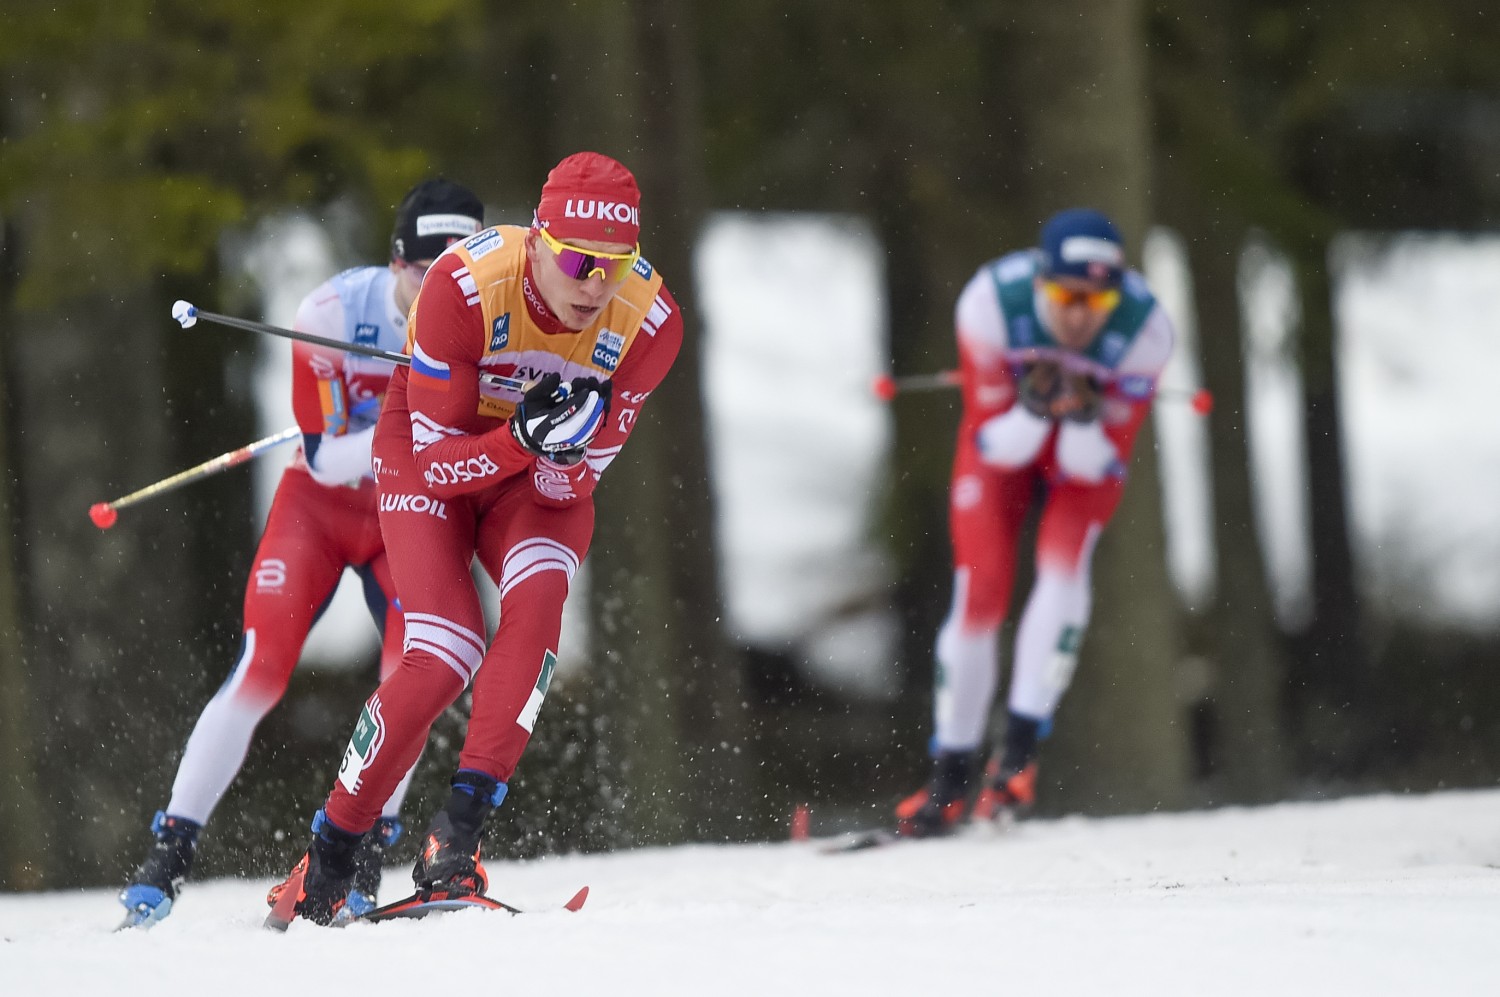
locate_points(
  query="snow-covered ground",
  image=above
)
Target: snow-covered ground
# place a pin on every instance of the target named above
(1369, 896)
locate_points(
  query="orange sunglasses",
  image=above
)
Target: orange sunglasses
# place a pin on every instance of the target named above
(1099, 301)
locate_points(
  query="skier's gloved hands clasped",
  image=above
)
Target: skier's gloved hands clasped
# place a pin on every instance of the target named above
(556, 419)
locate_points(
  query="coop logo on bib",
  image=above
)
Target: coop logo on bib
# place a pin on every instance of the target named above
(607, 349)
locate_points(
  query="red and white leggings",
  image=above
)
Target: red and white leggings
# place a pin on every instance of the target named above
(312, 534)
(988, 507)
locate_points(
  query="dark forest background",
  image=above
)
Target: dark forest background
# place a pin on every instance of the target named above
(136, 136)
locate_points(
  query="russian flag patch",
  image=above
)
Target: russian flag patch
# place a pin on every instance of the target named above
(433, 373)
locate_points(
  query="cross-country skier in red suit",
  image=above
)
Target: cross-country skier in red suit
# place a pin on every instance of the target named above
(322, 520)
(467, 470)
(1060, 349)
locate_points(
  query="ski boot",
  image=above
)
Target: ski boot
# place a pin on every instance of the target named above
(448, 862)
(149, 896)
(1010, 778)
(369, 862)
(936, 808)
(322, 878)
(1008, 793)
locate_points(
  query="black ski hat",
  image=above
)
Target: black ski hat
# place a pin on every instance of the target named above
(433, 216)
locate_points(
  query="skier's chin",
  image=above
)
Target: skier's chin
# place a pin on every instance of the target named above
(580, 316)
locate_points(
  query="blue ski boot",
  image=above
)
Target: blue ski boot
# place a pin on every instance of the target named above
(148, 897)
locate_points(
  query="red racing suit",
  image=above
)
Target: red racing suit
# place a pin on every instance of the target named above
(454, 484)
(1006, 460)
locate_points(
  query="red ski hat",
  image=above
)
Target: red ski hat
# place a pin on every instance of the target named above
(590, 196)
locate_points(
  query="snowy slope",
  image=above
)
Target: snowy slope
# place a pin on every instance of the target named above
(1368, 896)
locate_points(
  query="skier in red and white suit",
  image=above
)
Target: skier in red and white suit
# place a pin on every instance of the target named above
(465, 469)
(322, 520)
(1060, 349)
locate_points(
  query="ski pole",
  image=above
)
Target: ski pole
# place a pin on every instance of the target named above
(886, 387)
(104, 514)
(187, 315)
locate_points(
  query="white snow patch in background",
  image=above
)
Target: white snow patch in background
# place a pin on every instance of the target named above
(793, 308)
(1182, 434)
(1271, 310)
(1418, 345)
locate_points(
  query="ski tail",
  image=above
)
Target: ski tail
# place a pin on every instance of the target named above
(425, 902)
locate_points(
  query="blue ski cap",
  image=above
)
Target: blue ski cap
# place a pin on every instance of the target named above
(1082, 242)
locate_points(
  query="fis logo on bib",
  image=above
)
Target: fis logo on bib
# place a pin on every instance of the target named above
(642, 267)
(500, 333)
(366, 334)
(607, 349)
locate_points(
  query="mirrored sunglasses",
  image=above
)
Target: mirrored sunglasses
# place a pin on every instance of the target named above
(1103, 300)
(581, 264)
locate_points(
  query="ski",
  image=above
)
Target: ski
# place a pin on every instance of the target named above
(883, 837)
(859, 841)
(423, 903)
(418, 905)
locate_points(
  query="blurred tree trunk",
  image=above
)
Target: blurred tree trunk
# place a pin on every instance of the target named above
(21, 861)
(1338, 713)
(678, 727)
(1248, 761)
(1121, 741)
(1217, 179)
(116, 620)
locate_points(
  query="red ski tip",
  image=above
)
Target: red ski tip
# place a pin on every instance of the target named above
(884, 387)
(284, 908)
(1203, 401)
(103, 514)
(801, 818)
(578, 898)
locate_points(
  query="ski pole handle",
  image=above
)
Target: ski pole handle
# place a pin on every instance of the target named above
(104, 514)
(187, 315)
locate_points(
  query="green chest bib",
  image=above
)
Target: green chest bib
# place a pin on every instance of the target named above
(1013, 276)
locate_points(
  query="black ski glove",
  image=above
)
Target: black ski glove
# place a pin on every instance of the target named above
(556, 419)
(1080, 399)
(1040, 384)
